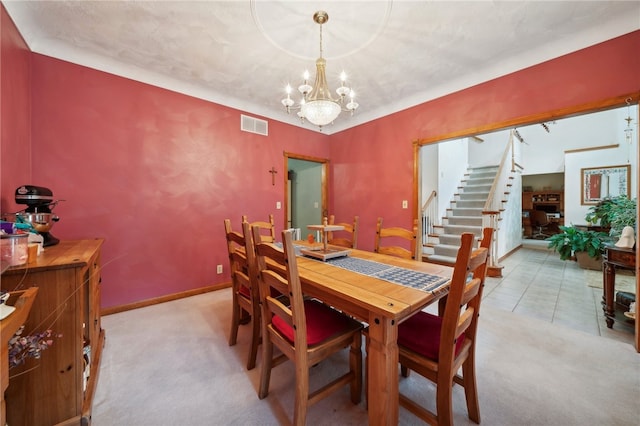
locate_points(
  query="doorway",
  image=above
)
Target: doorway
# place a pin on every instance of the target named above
(306, 192)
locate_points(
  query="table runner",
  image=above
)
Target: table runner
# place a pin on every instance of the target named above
(407, 277)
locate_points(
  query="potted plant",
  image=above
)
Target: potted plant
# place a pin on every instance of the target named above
(613, 212)
(584, 246)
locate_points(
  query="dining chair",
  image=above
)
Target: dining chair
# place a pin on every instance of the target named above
(436, 347)
(245, 296)
(350, 240)
(396, 235)
(268, 228)
(305, 330)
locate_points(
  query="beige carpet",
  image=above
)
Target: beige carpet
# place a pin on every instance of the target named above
(170, 364)
(625, 280)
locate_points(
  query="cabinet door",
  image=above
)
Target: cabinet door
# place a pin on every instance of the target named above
(45, 391)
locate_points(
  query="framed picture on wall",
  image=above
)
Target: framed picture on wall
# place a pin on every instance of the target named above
(599, 183)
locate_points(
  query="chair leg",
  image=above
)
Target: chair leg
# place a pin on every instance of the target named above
(355, 364)
(302, 393)
(444, 395)
(404, 371)
(255, 340)
(267, 362)
(366, 369)
(470, 389)
(235, 320)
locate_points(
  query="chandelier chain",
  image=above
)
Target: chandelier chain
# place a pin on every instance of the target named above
(321, 40)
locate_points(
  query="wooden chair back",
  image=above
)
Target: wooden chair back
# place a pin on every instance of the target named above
(278, 275)
(267, 228)
(394, 236)
(245, 293)
(347, 238)
(463, 300)
(291, 310)
(457, 342)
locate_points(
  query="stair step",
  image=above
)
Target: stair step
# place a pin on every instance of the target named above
(446, 250)
(470, 195)
(479, 181)
(466, 211)
(440, 260)
(459, 229)
(464, 220)
(478, 204)
(451, 239)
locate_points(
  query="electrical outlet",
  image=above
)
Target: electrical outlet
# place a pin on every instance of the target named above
(405, 204)
(278, 205)
(219, 269)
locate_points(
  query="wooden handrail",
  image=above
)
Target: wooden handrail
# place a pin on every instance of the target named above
(432, 196)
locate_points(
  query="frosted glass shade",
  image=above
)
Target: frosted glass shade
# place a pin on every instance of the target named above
(320, 112)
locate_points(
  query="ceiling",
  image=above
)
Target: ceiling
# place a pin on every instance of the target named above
(242, 53)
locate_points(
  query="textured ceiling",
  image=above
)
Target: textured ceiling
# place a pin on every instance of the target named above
(243, 53)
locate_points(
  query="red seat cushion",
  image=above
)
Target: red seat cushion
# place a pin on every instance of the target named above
(322, 323)
(245, 292)
(421, 334)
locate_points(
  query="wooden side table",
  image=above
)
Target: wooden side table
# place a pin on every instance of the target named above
(614, 257)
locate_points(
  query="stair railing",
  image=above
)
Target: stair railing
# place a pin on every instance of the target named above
(429, 217)
(499, 189)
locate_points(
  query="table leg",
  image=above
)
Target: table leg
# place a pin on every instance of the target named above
(609, 284)
(382, 375)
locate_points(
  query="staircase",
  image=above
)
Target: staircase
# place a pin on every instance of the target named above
(464, 215)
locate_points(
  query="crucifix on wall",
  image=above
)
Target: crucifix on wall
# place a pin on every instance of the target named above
(273, 172)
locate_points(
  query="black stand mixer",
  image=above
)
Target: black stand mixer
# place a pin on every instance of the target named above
(39, 201)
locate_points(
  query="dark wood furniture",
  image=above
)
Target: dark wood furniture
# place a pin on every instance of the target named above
(551, 202)
(614, 257)
(59, 387)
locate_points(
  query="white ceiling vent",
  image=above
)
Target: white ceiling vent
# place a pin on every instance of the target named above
(254, 125)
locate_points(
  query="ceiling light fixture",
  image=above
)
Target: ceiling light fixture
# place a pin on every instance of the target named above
(317, 106)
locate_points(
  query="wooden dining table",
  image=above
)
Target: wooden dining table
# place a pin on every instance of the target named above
(382, 305)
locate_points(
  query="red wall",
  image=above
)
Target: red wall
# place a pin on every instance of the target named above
(15, 119)
(156, 172)
(375, 160)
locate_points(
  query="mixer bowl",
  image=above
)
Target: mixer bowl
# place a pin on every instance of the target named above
(41, 222)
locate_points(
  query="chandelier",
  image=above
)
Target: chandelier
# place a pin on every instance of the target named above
(317, 106)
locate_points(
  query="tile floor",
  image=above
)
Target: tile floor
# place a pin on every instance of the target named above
(538, 284)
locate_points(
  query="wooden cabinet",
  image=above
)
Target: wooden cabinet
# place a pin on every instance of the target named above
(59, 387)
(549, 201)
